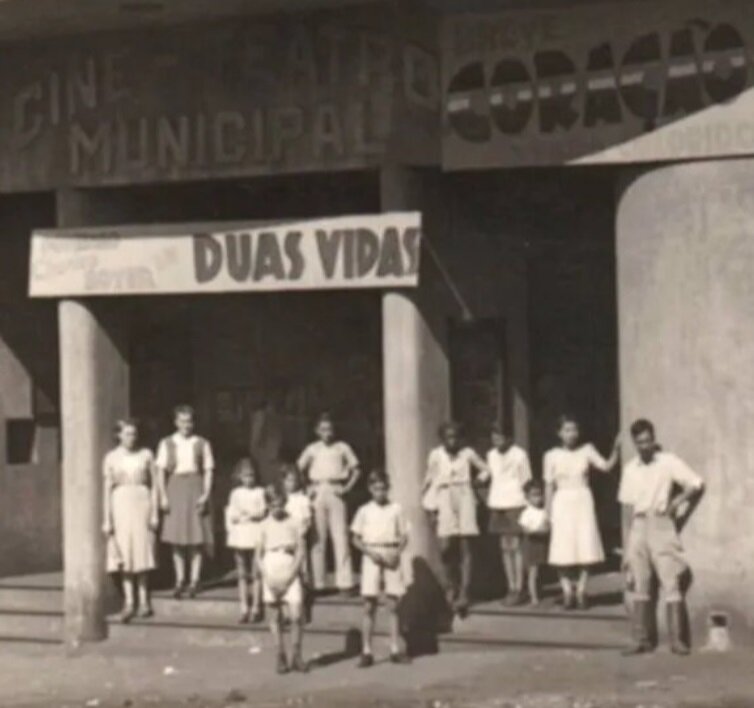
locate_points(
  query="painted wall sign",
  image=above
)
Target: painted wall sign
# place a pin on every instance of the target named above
(606, 83)
(329, 90)
(380, 251)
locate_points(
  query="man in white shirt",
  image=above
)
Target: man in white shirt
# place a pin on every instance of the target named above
(332, 470)
(648, 489)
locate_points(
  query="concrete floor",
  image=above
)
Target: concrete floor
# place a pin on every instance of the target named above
(172, 667)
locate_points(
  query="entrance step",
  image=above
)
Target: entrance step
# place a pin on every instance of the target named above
(32, 611)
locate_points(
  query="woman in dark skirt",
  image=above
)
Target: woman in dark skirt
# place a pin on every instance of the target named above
(509, 471)
(186, 467)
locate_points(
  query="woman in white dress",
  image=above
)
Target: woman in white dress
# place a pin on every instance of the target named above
(131, 506)
(575, 542)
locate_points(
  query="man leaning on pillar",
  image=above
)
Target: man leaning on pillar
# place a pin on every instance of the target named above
(653, 546)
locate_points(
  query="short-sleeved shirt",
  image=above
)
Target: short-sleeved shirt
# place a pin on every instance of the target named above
(299, 508)
(647, 486)
(328, 463)
(380, 524)
(570, 468)
(445, 469)
(185, 453)
(534, 520)
(250, 502)
(279, 535)
(510, 471)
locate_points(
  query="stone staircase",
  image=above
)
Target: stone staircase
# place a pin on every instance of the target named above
(31, 611)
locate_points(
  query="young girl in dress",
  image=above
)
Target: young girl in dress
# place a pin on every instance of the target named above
(131, 515)
(536, 536)
(279, 560)
(449, 496)
(575, 543)
(243, 518)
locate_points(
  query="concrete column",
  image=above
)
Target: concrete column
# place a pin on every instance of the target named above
(416, 378)
(94, 393)
(685, 257)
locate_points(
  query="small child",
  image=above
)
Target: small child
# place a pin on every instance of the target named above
(298, 504)
(243, 518)
(380, 532)
(279, 559)
(536, 528)
(299, 508)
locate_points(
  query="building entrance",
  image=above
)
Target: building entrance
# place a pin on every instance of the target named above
(543, 342)
(258, 369)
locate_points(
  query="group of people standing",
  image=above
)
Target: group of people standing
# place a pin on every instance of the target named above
(556, 524)
(553, 523)
(279, 533)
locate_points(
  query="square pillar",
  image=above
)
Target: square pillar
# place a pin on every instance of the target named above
(94, 394)
(416, 379)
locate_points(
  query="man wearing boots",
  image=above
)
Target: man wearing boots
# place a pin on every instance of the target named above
(656, 486)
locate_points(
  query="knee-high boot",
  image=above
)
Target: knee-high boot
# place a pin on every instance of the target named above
(677, 627)
(641, 628)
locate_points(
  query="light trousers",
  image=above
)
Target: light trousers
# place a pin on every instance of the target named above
(331, 520)
(655, 548)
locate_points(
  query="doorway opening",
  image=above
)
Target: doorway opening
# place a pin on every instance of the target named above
(258, 369)
(554, 230)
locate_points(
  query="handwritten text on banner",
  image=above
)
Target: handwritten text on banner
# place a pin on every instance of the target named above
(377, 251)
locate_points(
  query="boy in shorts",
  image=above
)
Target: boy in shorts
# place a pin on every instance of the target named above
(380, 532)
(279, 560)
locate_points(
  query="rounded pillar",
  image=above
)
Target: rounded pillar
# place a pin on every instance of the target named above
(685, 266)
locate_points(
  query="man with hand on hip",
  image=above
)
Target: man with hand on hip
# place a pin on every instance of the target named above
(653, 546)
(332, 470)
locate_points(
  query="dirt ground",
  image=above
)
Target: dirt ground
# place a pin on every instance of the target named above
(112, 675)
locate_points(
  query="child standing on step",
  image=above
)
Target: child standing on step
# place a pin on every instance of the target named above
(243, 518)
(279, 558)
(536, 540)
(299, 508)
(380, 532)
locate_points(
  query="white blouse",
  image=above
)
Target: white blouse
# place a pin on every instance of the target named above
(569, 469)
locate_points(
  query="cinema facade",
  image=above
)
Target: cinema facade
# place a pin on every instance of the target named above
(394, 214)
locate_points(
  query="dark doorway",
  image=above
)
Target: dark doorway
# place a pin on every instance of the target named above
(258, 369)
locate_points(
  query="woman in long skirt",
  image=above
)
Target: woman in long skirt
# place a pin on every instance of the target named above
(131, 516)
(186, 469)
(575, 542)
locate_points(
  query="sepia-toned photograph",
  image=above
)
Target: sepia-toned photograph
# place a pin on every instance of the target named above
(376, 353)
